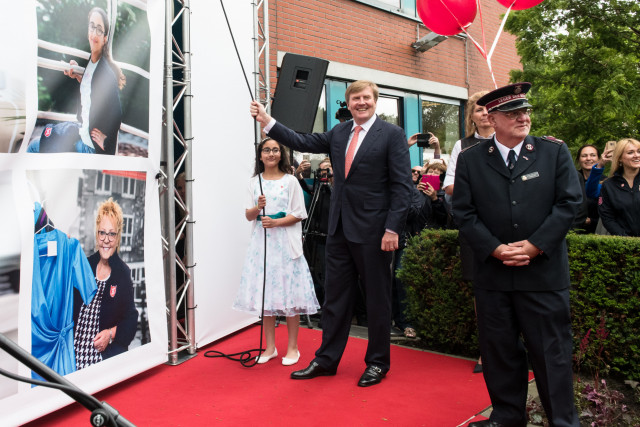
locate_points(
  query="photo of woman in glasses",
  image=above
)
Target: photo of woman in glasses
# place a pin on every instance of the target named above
(99, 113)
(106, 326)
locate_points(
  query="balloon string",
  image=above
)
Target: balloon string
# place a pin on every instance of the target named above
(504, 21)
(454, 16)
(482, 49)
(484, 42)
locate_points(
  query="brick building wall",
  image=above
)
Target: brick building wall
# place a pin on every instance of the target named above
(355, 33)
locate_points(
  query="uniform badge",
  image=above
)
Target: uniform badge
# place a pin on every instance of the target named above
(491, 149)
(517, 89)
(529, 147)
(47, 131)
(113, 290)
(529, 176)
(599, 200)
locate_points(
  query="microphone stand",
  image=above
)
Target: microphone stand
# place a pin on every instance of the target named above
(101, 412)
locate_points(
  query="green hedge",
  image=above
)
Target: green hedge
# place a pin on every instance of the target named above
(605, 301)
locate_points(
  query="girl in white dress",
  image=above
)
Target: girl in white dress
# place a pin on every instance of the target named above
(289, 287)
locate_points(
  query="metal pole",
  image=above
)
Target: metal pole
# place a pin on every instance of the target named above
(166, 195)
(189, 261)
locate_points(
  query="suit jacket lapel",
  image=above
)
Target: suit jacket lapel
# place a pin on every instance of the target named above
(495, 160)
(527, 156)
(342, 141)
(369, 141)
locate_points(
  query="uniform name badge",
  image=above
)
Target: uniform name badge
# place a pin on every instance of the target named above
(529, 176)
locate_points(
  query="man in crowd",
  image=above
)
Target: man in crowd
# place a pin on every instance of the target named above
(516, 197)
(369, 202)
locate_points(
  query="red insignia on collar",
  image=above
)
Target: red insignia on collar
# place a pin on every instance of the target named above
(47, 131)
(113, 290)
(529, 147)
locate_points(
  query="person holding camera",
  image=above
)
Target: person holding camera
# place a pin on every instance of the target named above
(369, 203)
(426, 140)
(431, 186)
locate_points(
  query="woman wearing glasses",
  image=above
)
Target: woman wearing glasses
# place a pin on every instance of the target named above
(99, 111)
(289, 288)
(106, 326)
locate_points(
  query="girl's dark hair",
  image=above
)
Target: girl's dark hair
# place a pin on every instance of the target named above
(283, 164)
(122, 80)
(580, 152)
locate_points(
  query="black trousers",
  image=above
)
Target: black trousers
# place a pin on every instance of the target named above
(542, 319)
(345, 261)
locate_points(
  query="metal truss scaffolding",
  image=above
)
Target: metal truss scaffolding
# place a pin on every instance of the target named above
(177, 96)
(261, 56)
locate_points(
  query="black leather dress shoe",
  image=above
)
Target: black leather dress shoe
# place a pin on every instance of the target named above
(485, 423)
(312, 371)
(372, 375)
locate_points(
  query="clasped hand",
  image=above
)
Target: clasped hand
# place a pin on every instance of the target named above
(516, 254)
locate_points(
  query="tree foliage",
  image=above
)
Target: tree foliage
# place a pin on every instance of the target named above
(583, 58)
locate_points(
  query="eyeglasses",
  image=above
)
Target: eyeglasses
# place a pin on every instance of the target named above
(515, 114)
(97, 30)
(414, 171)
(268, 151)
(103, 235)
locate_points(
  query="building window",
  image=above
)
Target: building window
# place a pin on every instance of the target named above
(320, 122)
(388, 109)
(103, 184)
(442, 118)
(395, 3)
(129, 188)
(127, 232)
(401, 7)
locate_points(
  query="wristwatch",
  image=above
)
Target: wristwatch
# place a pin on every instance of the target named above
(110, 336)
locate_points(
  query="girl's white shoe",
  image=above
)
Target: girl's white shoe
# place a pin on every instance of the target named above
(264, 359)
(288, 362)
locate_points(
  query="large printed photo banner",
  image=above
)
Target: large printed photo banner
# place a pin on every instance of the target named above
(81, 278)
(93, 81)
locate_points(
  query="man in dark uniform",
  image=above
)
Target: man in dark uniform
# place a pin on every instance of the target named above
(516, 197)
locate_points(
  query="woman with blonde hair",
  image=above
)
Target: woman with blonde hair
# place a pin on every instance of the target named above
(619, 203)
(106, 326)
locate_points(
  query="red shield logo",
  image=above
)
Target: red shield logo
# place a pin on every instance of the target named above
(113, 290)
(47, 131)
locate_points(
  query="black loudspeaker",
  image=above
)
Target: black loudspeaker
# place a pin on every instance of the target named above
(298, 91)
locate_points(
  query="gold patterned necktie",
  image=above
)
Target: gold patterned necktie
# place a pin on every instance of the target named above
(352, 150)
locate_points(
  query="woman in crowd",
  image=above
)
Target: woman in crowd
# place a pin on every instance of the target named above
(289, 288)
(620, 194)
(590, 168)
(107, 325)
(99, 112)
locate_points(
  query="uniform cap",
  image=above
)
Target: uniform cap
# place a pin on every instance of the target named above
(506, 98)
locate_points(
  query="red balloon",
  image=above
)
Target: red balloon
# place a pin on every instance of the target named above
(447, 20)
(520, 4)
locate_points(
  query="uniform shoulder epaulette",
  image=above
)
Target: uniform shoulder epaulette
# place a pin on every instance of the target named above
(553, 139)
(471, 146)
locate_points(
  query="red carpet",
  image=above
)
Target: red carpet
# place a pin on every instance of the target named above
(422, 389)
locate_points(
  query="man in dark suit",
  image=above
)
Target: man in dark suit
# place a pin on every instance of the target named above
(369, 202)
(516, 197)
